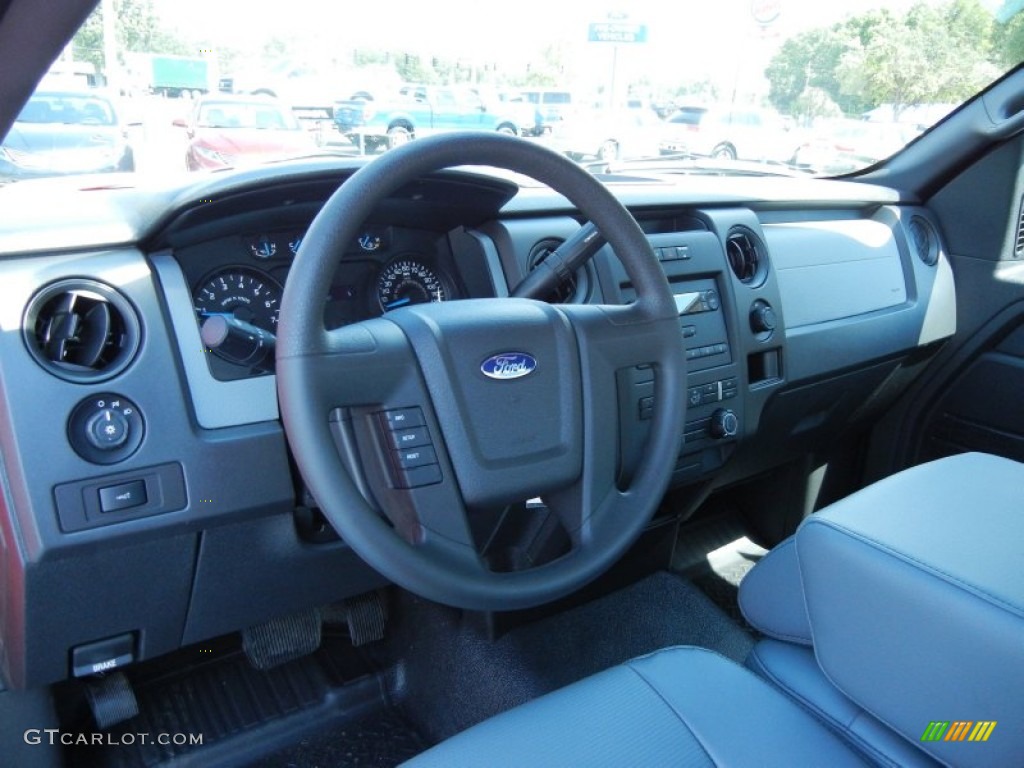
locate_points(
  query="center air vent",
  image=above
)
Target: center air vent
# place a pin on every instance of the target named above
(81, 330)
(571, 291)
(746, 256)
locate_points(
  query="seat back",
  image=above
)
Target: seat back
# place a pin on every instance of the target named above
(911, 595)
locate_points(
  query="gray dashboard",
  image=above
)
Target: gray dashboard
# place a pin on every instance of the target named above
(799, 302)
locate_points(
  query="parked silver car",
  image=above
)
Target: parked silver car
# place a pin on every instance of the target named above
(744, 133)
(65, 132)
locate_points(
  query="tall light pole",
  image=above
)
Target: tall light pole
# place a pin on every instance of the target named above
(111, 64)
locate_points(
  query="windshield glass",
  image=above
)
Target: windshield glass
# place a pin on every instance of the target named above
(797, 86)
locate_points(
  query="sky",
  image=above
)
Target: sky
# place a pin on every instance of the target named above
(717, 39)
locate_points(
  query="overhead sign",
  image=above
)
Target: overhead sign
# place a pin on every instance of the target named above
(617, 32)
(765, 11)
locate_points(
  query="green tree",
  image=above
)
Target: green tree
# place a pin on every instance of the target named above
(138, 29)
(1008, 35)
(414, 70)
(811, 60)
(934, 54)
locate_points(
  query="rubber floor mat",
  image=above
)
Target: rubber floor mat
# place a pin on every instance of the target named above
(380, 741)
(238, 713)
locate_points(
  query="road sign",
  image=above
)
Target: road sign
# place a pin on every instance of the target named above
(617, 32)
(765, 11)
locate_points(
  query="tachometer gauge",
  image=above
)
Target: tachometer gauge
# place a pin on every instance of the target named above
(245, 294)
(408, 281)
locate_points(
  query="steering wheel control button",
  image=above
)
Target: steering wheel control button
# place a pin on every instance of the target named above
(124, 496)
(417, 477)
(415, 457)
(646, 408)
(403, 418)
(409, 438)
(105, 428)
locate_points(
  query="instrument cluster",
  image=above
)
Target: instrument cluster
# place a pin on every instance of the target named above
(237, 301)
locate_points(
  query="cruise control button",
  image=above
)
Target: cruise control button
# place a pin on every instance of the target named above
(415, 457)
(124, 496)
(409, 438)
(403, 418)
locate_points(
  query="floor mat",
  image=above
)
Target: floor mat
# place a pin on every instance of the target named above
(239, 714)
(452, 676)
(380, 741)
(715, 554)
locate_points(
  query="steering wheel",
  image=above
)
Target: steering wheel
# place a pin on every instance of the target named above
(507, 399)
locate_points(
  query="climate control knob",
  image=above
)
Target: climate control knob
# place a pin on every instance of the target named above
(724, 423)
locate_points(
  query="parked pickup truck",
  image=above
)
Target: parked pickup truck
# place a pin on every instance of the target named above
(420, 110)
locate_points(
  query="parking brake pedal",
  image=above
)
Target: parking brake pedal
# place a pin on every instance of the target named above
(271, 644)
(111, 700)
(366, 616)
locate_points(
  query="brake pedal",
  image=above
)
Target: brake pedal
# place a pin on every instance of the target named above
(111, 700)
(279, 641)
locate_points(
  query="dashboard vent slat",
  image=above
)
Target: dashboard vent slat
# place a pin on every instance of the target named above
(746, 256)
(81, 330)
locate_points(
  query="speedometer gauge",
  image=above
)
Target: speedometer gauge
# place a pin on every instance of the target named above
(409, 281)
(245, 294)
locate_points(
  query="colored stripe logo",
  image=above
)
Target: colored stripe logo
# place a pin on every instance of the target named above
(958, 730)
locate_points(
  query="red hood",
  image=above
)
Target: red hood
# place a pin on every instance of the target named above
(254, 142)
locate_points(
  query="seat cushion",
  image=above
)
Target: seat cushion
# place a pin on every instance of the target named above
(794, 670)
(678, 707)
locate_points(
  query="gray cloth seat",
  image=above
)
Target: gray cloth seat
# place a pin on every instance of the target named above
(896, 608)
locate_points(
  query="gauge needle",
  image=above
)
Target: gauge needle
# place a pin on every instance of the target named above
(398, 303)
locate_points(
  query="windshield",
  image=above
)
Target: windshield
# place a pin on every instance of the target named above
(805, 86)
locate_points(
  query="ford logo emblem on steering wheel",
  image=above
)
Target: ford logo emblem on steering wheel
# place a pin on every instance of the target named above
(508, 365)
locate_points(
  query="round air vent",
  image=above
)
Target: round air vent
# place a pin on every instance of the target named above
(81, 330)
(746, 256)
(924, 240)
(572, 291)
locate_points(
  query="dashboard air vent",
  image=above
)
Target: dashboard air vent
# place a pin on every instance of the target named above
(746, 256)
(81, 330)
(572, 291)
(926, 241)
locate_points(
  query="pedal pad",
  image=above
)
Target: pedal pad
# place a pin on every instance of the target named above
(366, 616)
(111, 700)
(281, 640)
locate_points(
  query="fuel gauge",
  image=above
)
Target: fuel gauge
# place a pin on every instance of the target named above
(263, 247)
